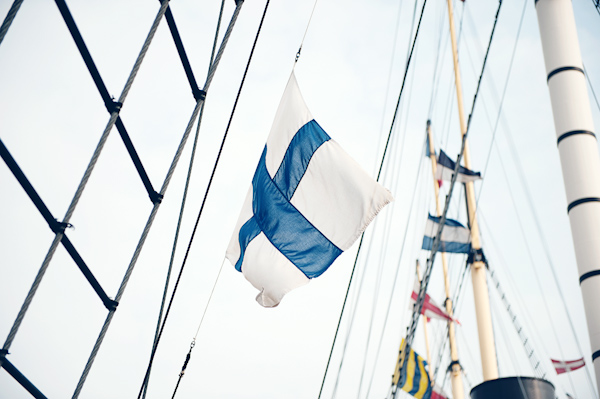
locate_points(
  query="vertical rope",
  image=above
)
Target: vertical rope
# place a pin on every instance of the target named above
(12, 13)
(83, 183)
(305, 32)
(183, 202)
(378, 176)
(205, 197)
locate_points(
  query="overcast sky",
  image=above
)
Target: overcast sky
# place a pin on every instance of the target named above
(350, 72)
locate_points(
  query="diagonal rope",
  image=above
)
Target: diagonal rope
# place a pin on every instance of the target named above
(590, 84)
(155, 347)
(402, 247)
(305, 32)
(165, 185)
(378, 176)
(86, 176)
(436, 242)
(12, 13)
(183, 202)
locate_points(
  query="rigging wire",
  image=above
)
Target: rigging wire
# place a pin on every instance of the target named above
(585, 72)
(83, 183)
(378, 177)
(521, 175)
(207, 188)
(436, 243)
(597, 5)
(395, 172)
(305, 32)
(436, 75)
(183, 201)
(393, 285)
(498, 118)
(405, 129)
(12, 13)
(389, 78)
(537, 277)
(504, 90)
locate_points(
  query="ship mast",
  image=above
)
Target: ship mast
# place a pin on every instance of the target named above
(578, 150)
(487, 347)
(458, 391)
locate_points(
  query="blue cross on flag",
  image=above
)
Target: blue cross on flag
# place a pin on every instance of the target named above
(308, 202)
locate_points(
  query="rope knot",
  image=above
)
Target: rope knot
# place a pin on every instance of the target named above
(60, 227)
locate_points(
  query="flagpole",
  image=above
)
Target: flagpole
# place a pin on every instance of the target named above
(458, 391)
(431, 381)
(487, 345)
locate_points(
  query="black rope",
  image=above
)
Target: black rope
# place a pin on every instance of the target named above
(203, 203)
(401, 90)
(184, 196)
(185, 363)
(109, 103)
(378, 176)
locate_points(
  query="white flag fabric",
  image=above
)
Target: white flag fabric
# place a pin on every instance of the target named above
(564, 366)
(431, 309)
(445, 170)
(456, 238)
(308, 202)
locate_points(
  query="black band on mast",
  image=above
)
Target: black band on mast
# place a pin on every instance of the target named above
(595, 355)
(581, 201)
(573, 133)
(587, 275)
(562, 69)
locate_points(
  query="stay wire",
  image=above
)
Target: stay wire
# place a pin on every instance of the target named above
(395, 178)
(193, 343)
(436, 242)
(8, 20)
(205, 195)
(529, 197)
(378, 176)
(305, 32)
(183, 201)
(402, 247)
(389, 78)
(401, 90)
(590, 83)
(512, 59)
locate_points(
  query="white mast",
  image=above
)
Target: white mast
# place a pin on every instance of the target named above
(578, 151)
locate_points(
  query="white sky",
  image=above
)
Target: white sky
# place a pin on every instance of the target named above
(51, 117)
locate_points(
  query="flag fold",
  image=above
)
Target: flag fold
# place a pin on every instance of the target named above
(456, 238)
(430, 309)
(445, 170)
(413, 377)
(564, 366)
(308, 202)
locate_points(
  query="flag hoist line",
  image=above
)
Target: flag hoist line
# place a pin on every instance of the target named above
(437, 239)
(157, 339)
(456, 371)
(385, 149)
(183, 199)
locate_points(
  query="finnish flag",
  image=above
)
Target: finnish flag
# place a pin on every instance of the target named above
(308, 202)
(445, 170)
(456, 238)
